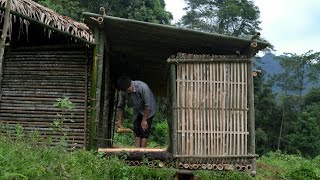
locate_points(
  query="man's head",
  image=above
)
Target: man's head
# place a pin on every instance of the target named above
(124, 84)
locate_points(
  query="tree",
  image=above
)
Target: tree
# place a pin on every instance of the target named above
(142, 10)
(266, 111)
(298, 69)
(230, 17)
(70, 8)
(305, 138)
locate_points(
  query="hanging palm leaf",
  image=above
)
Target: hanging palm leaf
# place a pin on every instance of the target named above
(49, 17)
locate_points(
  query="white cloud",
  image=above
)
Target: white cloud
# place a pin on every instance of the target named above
(290, 25)
(176, 8)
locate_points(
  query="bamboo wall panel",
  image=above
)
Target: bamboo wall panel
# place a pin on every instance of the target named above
(32, 82)
(212, 108)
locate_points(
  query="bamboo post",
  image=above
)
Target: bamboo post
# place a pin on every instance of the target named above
(251, 123)
(243, 108)
(98, 116)
(174, 107)
(3, 38)
(186, 108)
(215, 104)
(85, 123)
(198, 110)
(191, 104)
(93, 90)
(200, 121)
(182, 110)
(106, 105)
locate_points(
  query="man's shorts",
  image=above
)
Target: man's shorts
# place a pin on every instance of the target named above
(137, 129)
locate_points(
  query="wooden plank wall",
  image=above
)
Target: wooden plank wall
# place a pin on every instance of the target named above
(34, 78)
(212, 108)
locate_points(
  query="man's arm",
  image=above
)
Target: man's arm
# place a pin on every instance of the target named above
(120, 114)
(146, 92)
(144, 123)
(121, 105)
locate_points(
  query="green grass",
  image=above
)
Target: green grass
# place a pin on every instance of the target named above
(276, 165)
(20, 160)
(24, 159)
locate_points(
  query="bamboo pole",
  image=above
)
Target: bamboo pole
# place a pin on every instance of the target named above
(211, 100)
(227, 108)
(173, 85)
(238, 111)
(187, 109)
(100, 63)
(216, 104)
(200, 107)
(106, 83)
(129, 150)
(244, 106)
(193, 60)
(85, 122)
(191, 104)
(3, 38)
(223, 106)
(251, 123)
(209, 115)
(183, 117)
(248, 107)
(93, 90)
(231, 109)
(178, 103)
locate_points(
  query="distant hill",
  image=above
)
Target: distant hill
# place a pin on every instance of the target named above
(271, 66)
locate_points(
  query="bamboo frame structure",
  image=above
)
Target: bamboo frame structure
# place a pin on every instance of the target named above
(214, 111)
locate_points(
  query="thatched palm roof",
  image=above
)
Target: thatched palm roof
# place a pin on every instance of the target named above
(29, 9)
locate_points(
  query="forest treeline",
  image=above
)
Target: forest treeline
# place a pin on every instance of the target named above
(287, 120)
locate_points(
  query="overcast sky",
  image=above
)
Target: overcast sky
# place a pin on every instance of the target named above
(290, 25)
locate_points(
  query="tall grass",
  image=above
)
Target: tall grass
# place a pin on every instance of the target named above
(21, 160)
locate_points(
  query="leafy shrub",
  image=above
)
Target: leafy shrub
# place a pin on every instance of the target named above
(302, 173)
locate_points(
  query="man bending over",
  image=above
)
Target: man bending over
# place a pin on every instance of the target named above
(140, 97)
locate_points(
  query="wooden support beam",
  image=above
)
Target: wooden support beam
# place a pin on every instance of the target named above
(251, 119)
(93, 90)
(3, 40)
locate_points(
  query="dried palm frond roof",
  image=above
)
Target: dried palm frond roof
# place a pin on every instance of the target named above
(27, 9)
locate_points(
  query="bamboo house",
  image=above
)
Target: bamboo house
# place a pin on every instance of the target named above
(207, 79)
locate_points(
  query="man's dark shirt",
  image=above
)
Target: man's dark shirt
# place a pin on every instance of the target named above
(141, 98)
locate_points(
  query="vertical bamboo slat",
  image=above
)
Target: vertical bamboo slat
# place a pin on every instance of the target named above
(244, 106)
(188, 118)
(179, 85)
(183, 117)
(191, 104)
(201, 108)
(247, 107)
(174, 97)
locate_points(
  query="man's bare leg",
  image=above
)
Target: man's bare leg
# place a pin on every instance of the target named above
(137, 141)
(144, 142)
